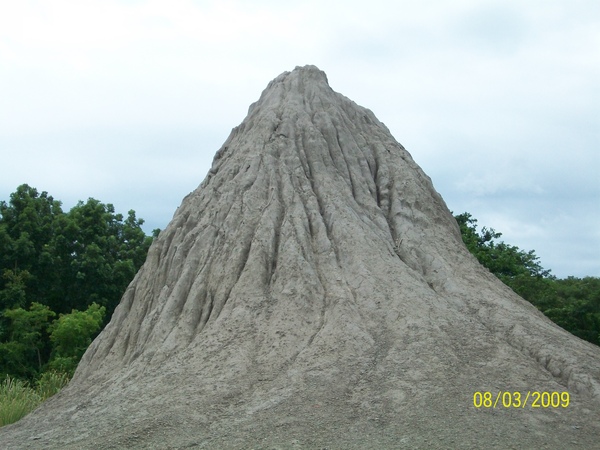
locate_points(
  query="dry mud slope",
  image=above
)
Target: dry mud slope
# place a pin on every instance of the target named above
(314, 292)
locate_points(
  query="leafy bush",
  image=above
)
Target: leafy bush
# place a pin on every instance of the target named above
(71, 334)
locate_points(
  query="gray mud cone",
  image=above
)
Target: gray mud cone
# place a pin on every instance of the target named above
(314, 292)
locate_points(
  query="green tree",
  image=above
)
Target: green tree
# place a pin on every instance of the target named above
(27, 226)
(13, 295)
(104, 252)
(505, 261)
(71, 334)
(22, 354)
(66, 261)
(518, 269)
(572, 303)
(575, 306)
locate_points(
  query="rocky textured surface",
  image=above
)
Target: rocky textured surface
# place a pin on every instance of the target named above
(314, 292)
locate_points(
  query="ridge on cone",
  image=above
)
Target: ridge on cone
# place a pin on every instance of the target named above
(314, 291)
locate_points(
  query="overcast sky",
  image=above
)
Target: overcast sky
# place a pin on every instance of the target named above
(498, 101)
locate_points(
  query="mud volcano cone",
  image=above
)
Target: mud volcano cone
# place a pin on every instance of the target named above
(314, 292)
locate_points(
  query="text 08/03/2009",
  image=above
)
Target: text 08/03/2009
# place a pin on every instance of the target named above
(533, 399)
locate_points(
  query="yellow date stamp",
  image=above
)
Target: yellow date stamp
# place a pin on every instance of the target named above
(531, 399)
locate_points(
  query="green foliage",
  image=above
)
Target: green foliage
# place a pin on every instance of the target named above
(66, 260)
(13, 295)
(104, 250)
(27, 227)
(22, 354)
(505, 261)
(573, 303)
(74, 265)
(71, 335)
(60, 263)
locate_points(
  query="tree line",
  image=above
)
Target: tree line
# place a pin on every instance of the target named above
(61, 276)
(573, 303)
(63, 273)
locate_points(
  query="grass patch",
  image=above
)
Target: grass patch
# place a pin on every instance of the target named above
(18, 398)
(51, 383)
